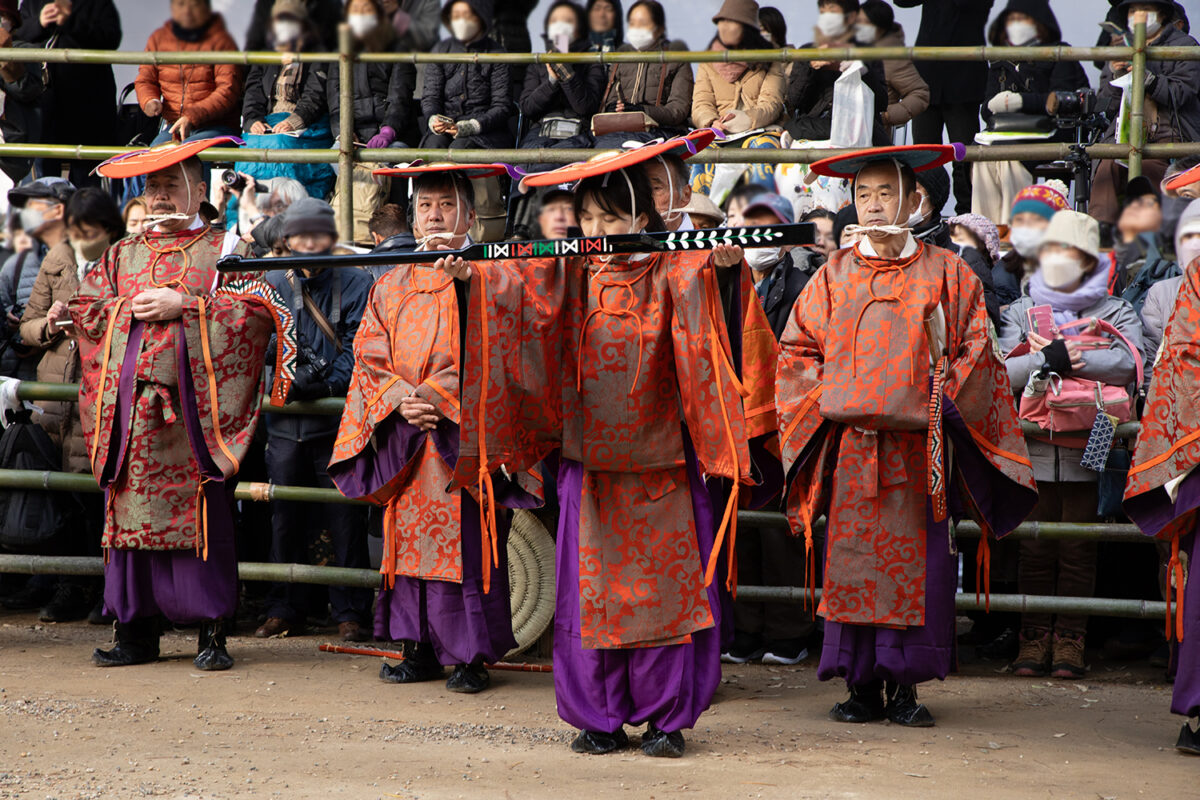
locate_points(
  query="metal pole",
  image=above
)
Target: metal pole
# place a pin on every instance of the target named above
(1107, 532)
(1137, 101)
(345, 182)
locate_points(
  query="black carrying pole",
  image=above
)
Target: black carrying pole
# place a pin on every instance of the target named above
(658, 242)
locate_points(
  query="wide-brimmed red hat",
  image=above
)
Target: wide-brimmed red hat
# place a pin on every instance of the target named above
(613, 160)
(919, 157)
(143, 162)
(417, 169)
(1185, 178)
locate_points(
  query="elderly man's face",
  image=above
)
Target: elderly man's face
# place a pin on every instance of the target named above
(172, 191)
(879, 198)
(440, 210)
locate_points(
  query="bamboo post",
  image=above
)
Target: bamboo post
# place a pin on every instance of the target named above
(345, 182)
(1137, 101)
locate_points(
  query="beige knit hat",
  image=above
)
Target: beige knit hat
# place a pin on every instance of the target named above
(291, 8)
(743, 11)
(1074, 229)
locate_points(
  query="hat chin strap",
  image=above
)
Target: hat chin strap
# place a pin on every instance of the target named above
(894, 229)
(153, 220)
(445, 236)
(608, 259)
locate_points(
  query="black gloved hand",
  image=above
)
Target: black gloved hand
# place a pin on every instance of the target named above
(1057, 357)
(308, 385)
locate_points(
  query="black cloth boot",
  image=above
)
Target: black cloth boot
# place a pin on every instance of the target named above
(658, 743)
(419, 664)
(865, 704)
(903, 708)
(211, 655)
(469, 678)
(598, 743)
(1189, 741)
(137, 643)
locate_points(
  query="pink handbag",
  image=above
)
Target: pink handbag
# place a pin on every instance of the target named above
(1069, 404)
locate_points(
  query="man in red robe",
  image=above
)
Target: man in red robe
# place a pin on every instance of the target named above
(171, 372)
(397, 446)
(1163, 491)
(894, 412)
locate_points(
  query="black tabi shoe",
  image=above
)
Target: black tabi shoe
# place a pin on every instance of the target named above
(660, 744)
(1189, 741)
(70, 602)
(211, 655)
(469, 678)
(419, 665)
(137, 643)
(865, 704)
(598, 743)
(97, 616)
(903, 708)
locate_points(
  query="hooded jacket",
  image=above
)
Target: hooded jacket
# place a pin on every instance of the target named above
(209, 94)
(1172, 100)
(383, 93)
(481, 92)
(1033, 80)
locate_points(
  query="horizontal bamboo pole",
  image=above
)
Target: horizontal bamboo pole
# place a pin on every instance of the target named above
(984, 53)
(69, 393)
(1106, 532)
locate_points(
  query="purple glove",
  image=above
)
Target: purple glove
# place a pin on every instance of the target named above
(384, 138)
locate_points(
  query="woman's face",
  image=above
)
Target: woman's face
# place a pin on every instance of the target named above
(729, 32)
(824, 239)
(603, 17)
(360, 7)
(135, 220)
(595, 221)
(463, 10)
(1028, 219)
(639, 17)
(85, 232)
(563, 14)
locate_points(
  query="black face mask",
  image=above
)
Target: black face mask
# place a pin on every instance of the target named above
(190, 35)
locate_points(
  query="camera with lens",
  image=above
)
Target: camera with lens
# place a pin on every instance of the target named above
(1074, 108)
(237, 182)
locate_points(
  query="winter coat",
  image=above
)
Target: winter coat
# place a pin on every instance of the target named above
(481, 92)
(810, 95)
(209, 94)
(952, 23)
(1006, 281)
(21, 119)
(908, 94)
(791, 275)
(417, 23)
(260, 98)
(396, 243)
(759, 92)
(58, 279)
(383, 95)
(1172, 99)
(636, 85)
(1156, 313)
(1112, 366)
(578, 96)
(325, 15)
(80, 104)
(355, 286)
(16, 361)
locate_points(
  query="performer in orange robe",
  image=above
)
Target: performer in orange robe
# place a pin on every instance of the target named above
(397, 446)
(1163, 491)
(618, 370)
(894, 412)
(171, 358)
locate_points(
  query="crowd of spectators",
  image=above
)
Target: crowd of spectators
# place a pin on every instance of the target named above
(1005, 212)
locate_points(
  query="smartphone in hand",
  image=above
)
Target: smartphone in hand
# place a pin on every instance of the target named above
(1041, 322)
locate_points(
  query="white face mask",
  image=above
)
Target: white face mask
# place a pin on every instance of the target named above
(761, 259)
(1153, 26)
(361, 24)
(560, 30)
(831, 23)
(465, 30)
(864, 33)
(1060, 269)
(1188, 251)
(1020, 32)
(286, 30)
(1026, 240)
(32, 219)
(917, 217)
(640, 38)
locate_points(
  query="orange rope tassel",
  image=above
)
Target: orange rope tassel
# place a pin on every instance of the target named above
(983, 567)
(1175, 570)
(487, 508)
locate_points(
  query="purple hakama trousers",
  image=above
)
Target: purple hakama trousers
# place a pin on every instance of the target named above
(601, 690)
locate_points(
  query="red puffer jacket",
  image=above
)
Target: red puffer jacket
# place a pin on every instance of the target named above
(209, 94)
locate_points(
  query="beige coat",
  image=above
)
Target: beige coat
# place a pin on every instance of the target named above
(759, 93)
(56, 280)
(908, 94)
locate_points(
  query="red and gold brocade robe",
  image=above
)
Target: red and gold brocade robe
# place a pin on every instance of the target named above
(406, 345)
(608, 366)
(1160, 493)
(853, 391)
(211, 355)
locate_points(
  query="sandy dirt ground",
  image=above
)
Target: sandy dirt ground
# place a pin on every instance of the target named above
(291, 722)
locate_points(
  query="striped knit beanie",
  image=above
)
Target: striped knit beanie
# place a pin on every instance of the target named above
(1045, 199)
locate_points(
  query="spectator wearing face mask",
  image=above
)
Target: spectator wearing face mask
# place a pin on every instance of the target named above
(383, 91)
(93, 222)
(194, 100)
(908, 94)
(467, 105)
(1071, 282)
(1160, 300)
(927, 225)
(1030, 214)
(22, 85)
(1020, 87)
(1172, 107)
(325, 15)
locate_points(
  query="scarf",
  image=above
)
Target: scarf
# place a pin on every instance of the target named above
(1067, 305)
(731, 71)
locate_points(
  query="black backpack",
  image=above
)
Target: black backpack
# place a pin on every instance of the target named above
(33, 520)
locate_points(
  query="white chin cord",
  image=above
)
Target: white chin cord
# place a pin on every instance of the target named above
(444, 236)
(608, 259)
(893, 229)
(672, 213)
(152, 220)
